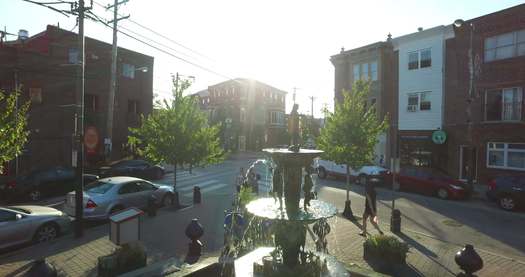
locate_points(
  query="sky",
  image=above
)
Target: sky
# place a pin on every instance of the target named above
(284, 43)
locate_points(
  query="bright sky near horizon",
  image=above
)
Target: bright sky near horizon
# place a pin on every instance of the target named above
(285, 44)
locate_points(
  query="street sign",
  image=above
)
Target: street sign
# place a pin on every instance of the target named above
(439, 137)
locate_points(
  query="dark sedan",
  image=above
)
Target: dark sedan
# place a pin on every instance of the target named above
(431, 182)
(42, 183)
(133, 168)
(508, 191)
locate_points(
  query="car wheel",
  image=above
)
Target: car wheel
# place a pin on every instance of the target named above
(35, 195)
(321, 172)
(167, 200)
(442, 193)
(507, 203)
(362, 179)
(46, 232)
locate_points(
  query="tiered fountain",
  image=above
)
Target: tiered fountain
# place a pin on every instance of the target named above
(291, 217)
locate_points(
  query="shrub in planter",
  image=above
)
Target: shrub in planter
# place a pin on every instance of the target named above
(385, 252)
(129, 257)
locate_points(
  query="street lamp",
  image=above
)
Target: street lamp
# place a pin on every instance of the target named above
(143, 69)
(459, 23)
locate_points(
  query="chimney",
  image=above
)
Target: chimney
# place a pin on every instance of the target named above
(419, 29)
(22, 34)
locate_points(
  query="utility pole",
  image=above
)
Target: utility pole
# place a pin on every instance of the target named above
(312, 98)
(79, 126)
(294, 93)
(113, 82)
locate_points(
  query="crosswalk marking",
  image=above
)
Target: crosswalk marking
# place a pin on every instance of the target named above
(200, 184)
(208, 189)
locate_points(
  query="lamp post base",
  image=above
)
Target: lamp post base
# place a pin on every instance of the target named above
(347, 213)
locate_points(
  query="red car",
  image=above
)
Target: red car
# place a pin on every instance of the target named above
(431, 182)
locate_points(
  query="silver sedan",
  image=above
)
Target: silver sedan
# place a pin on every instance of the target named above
(21, 224)
(106, 196)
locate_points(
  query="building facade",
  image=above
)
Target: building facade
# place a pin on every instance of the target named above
(496, 85)
(252, 113)
(43, 66)
(371, 62)
(420, 91)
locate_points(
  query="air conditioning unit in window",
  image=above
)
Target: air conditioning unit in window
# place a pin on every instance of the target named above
(411, 108)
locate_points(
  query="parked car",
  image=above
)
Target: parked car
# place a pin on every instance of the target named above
(134, 168)
(508, 191)
(369, 173)
(431, 182)
(42, 183)
(109, 195)
(21, 224)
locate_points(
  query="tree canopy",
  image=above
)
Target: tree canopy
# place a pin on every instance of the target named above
(177, 132)
(13, 127)
(351, 131)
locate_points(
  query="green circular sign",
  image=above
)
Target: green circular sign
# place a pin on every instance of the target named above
(439, 137)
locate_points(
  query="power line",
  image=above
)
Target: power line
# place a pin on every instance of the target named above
(96, 18)
(44, 4)
(163, 36)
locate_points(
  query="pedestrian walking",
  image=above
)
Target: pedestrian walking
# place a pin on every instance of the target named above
(370, 208)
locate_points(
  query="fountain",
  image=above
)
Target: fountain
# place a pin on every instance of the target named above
(291, 216)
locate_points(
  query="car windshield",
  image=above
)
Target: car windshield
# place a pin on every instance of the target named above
(19, 210)
(98, 187)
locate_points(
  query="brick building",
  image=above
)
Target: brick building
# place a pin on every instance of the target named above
(372, 62)
(252, 113)
(497, 108)
(44, 68)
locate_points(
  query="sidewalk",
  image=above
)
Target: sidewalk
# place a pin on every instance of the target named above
(163, 237)
(427, 256)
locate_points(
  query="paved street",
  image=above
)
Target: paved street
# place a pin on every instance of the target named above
(434, 228)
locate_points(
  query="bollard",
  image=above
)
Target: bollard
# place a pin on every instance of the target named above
(196, 195)
(176, 202)
(152, 206)
(395, 221)
(194, 231)
(468, 260)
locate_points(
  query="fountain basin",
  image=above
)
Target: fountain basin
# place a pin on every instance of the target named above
(268, 208)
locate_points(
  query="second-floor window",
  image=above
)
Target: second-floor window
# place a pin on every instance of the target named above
(373, 71)
(419, 59)
(276, 118)
(243, 115)
(133, 107)
(504, 104)
(128, 70)
(419, 101)
(72, 56)
(505, 46)
(91, 103)
(365, 71)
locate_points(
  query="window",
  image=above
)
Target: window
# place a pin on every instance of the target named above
(90, 103)
(72, 55)
(7, 216)
(243, 115)
(506, 155)
(129, 188)
(364, 71)
(426, 59)
(145, 186)
(128, 71)
(133, 107)
(357, 72)
(419, 101)
(277, 118)
(503, 105)
(35, 94)
(419, 59)
(413, 59)
(373, 71)
(505, 46)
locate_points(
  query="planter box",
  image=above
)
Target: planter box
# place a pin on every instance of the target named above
(383, 262)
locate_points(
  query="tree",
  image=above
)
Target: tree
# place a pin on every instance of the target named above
(309, 128)
(351, 132)
(177, 132)
(13, 127)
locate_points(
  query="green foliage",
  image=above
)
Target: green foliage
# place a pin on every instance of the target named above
(309, 128)
(246, 195)
(386, 247)
(177, 132)
(13, 127)
(351, 131)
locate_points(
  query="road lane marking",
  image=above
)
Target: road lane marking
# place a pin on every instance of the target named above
(208, 189)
